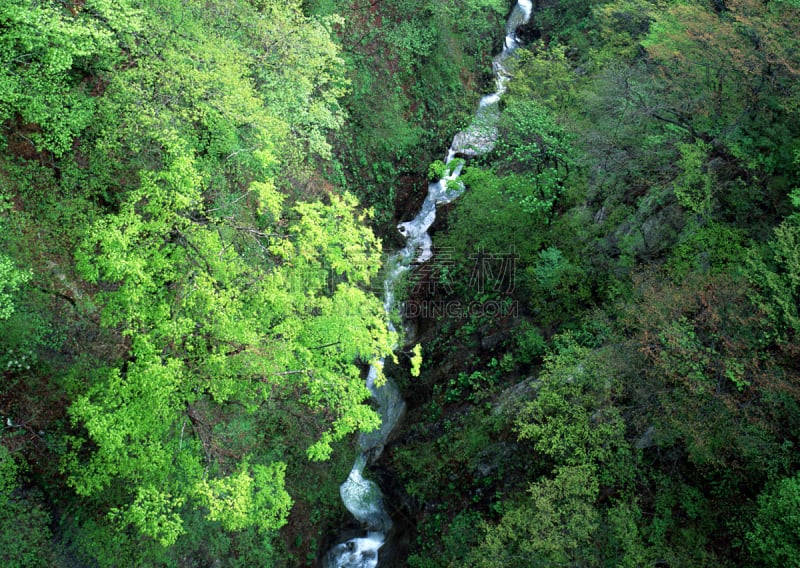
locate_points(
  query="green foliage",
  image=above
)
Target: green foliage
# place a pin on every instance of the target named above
(775, 538)
(551, 268)
(437, 170)
(556, 283)
(24, 522)
(530, 343)
(716, 248)
(563, 20)
(25, 536)
(11, 278)
(647, 154)
(676, 42)
(466, 386)
(129, 417)
(8, 474)
(538, 151)
(621, 25)
(776, 275)
(458, 536)
(714, 76)
(212, 286)
(532, 139)
(244, 498)
(45, 51)
(573, 419)
(693, 187)
(412, 65)
(543, 73)
(153, 513)
(620, 538)
(411, 39)
(690, 359)
(554, 525)
(509, 232)
(433, 463)
(703, 341)
(416, 360)
(211, 336)
(682, 523)
(204, 320)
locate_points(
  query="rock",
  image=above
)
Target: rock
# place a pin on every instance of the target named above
(646, 440)
(493, 457)
(661, 230)
(490, 342)
(652, 229)
(515, 395)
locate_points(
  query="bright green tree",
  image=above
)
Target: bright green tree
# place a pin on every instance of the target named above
(775, 538)
(209, 324)
(46, 49)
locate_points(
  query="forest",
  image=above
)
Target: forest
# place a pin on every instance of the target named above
(197, 200)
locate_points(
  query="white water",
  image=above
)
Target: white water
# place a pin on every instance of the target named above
(362, 497)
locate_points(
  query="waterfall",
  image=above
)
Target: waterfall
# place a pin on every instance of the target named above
(362, 497)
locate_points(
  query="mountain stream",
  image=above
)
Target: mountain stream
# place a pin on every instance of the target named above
(362, 497)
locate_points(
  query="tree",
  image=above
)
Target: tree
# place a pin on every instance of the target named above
(776, 276)
(775, 537)
(573, 419)
(554, 525)
(709, 388)
(207, 322)
(730, 74)
(45, 52)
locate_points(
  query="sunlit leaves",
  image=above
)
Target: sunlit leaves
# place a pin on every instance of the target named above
(416, 359)
(252, 495)
(130, 417)
(328, 237)
(210, 321)
(155, 514)
(40, 48)
(299, 71)
(11, 278)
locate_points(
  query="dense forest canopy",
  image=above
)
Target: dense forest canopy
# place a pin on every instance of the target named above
(190, 194)
(172, 296)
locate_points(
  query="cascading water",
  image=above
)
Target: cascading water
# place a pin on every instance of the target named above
(362, 497)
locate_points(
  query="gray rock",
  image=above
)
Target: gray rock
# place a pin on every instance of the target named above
(511, 398)
(646, 440)
(490, 342)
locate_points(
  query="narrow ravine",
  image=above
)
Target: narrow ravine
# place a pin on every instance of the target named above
(362, 497)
